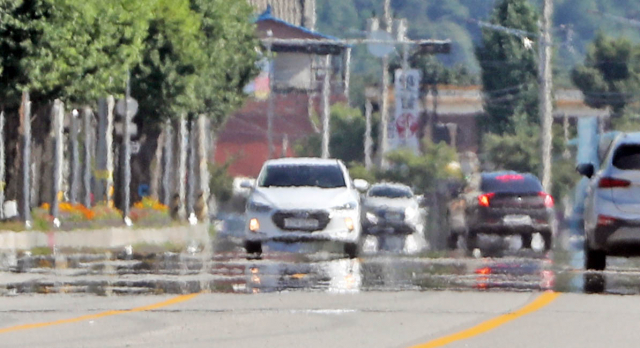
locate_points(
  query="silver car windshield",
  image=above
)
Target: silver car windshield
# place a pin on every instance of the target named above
(323, 176)
(390, 192)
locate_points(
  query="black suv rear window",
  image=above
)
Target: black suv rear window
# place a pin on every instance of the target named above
(517, 183)
(627, 157)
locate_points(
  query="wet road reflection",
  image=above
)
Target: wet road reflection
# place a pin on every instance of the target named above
(290, 268)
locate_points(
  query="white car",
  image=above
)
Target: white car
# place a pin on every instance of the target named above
(304, 199)
(612, 206)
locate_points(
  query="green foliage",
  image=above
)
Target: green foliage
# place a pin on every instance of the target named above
(229, 43)
(347, 136)
(358, 171)
(576, 25)
(423, 172)
(509, 69)
(70, 49)
(521, 152)
(164, 83)
(610, 75)
(221, 182)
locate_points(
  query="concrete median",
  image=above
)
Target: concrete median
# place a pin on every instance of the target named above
(105, 238)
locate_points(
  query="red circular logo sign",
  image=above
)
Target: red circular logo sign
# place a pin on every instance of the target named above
(407, 121)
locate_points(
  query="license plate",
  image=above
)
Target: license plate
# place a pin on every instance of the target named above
(517, 220)
(394, 216)
(301, 223)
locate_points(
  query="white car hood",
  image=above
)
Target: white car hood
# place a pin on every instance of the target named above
(302, 198)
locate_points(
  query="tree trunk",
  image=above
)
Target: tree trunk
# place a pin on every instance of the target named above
(191, 172)
(156, 168)
(2, 164)
(88, 146)
(25, 125)
(75, 159)
(167, 179)
(178, 207)
(202, 210)
(58, 157)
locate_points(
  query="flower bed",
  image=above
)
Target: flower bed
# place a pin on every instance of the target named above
(146, 213)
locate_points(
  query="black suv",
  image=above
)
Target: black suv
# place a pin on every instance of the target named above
(501, 203)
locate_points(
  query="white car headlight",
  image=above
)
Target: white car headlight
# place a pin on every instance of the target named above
(410, 213)
(371, 217)
(346, 206)
(258, 207)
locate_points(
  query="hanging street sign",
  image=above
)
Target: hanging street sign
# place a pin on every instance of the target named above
(405, 124)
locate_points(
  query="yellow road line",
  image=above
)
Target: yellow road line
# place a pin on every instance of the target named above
(540, 302)
(166, 303)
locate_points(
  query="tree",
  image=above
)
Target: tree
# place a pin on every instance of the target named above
(422, 172)
(347, 136)
(509, 68)
(610, 75)
(229, 44)
(70, 49)
(164, 82)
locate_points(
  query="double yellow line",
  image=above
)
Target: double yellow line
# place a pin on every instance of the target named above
(158, 305)
(540, 302)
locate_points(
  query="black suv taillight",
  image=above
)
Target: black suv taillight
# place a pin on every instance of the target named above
(613, 183)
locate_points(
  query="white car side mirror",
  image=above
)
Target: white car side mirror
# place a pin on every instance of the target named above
(246, 184)
(361, 185)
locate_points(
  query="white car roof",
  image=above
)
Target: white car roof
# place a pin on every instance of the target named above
(301, 161)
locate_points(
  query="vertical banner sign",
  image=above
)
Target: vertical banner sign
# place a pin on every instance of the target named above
(403, 128)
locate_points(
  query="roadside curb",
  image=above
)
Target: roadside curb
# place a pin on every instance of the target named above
(103, 239)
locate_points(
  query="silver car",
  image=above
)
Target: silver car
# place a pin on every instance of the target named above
(612, 207)
(391, 209)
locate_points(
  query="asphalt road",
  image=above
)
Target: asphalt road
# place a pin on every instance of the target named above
(377, 319)
(295, 298)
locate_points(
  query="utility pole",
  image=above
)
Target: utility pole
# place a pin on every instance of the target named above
(384, 112)
(271, 101)
(326, 107)
(546, 88)
(347, 75)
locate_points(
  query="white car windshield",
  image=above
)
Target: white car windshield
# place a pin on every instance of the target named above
(298, 175)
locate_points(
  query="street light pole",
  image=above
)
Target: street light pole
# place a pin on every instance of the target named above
(384, 112)
(546, 87)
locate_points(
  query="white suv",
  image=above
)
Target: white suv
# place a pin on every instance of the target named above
(612, 206)
(304, 199)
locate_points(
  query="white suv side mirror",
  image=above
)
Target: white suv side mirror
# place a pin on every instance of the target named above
(246, 184)
(361, 185)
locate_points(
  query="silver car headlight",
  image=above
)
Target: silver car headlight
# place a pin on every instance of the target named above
(258, 207)
(371, 217)
(410, 213)
(346, 206)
